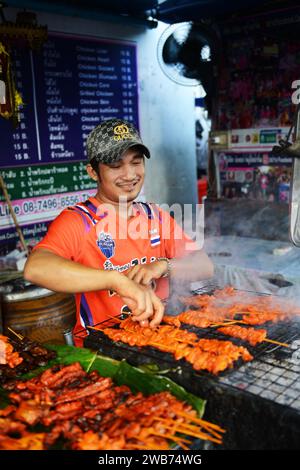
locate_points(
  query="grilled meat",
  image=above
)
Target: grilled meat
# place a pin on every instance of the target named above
(90, 412)
(251, 335)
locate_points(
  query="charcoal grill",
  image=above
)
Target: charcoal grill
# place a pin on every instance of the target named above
(258, 402)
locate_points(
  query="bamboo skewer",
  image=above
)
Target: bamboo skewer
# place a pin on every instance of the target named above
(183, 427)
(179, 440)
(172, 350)
(179, 340)
(20, 337)
(192, 427)
(188, 343)
(199, 434)
(229, 322)
(114, 318)
(170, 436)
(209, 425)
(273, 341)
(152, 343)
(224, 324)
(267, 340)
(192, 343)
(89, 327)
(173, 438)
(156, 329)
(211, 431)
(161, 345)
(200, 421)
(253, 313)
(130, 331)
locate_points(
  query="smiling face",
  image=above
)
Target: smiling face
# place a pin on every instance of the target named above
(122, 179)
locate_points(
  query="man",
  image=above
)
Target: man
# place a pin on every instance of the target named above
(110, 250)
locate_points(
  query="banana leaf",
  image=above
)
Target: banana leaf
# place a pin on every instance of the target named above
(4, 400)
(120, 371)
(124, 374)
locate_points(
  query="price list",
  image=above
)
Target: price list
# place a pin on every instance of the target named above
(68, 87)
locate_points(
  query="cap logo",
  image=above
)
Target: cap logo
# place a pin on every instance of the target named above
(122, 132)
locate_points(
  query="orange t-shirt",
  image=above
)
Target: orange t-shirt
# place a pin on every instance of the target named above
(94, 236)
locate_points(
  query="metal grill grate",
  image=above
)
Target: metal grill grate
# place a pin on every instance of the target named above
(273, 374)
(272, 377)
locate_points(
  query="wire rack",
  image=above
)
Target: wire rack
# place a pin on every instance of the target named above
(274, 373)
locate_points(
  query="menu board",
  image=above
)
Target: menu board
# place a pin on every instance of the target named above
(68, 87)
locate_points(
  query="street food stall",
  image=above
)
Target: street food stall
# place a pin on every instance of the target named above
(239, 350)
(222, 369)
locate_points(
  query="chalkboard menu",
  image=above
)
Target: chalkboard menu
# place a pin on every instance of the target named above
(70, 86)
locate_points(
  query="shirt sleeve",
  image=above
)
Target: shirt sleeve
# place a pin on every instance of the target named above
(177, 243)
(65, 235)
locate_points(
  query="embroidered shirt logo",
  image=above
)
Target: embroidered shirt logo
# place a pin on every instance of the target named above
(106, 244)
(122, 132)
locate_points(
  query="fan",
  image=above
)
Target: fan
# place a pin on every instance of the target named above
(188, 54)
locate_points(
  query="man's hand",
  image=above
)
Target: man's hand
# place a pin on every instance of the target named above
(143, 302)
(144, 273)
(45, 268)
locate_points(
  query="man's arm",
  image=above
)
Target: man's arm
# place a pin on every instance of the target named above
(56, 273)
(195, 266)
(187, 262)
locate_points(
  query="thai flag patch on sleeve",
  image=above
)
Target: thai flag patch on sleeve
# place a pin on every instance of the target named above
(155, 240)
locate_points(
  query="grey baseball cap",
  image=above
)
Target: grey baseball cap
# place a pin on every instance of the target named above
(108, 141)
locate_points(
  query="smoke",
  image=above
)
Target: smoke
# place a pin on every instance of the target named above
(248, 219)
(245, 257)
(228, 303)
(193, 223)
